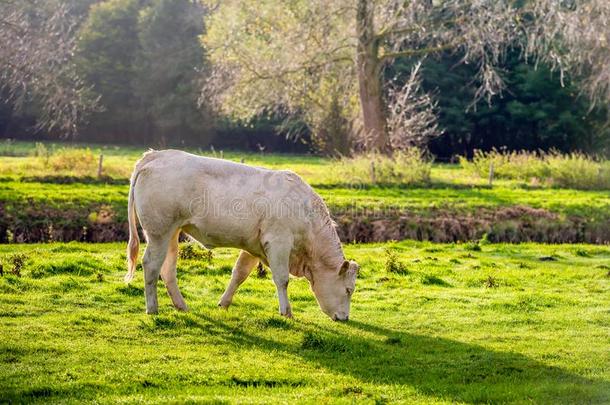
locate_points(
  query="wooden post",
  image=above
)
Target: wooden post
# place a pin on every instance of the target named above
(491, 173)
(100, 166)
(373, 179)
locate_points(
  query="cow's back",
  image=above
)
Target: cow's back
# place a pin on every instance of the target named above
(224, 203)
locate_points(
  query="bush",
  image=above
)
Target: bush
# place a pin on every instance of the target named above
(73, 160)
(194, 251)
(574, 170)
(393, 264)
(403, 167)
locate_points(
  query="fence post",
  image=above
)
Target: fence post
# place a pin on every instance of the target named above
(100, 166)
(491, 173)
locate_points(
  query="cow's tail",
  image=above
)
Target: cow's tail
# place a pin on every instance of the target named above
(133, 247)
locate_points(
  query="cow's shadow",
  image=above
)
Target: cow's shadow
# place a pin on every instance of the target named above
(439, 367)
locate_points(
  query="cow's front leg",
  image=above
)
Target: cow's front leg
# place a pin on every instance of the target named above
(281, 283)
(242, 269)
(279, 262)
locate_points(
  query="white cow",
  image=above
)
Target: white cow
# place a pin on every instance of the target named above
(272, 216)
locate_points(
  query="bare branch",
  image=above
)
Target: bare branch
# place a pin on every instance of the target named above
(36, 63)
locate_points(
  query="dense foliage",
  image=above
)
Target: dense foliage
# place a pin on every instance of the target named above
(534, 112)
(145, 63)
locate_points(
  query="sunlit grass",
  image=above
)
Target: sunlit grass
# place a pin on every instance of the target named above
(506, 323)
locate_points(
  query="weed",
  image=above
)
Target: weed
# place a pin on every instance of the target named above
(17, 261)
(393, 264)
(352, 390)
(582, 252)
(99, 277)
(490, 282)
(574, 170)
(547, 258)
(194, 251)
(406, 167)
(484, 239)
(473, 246)
(80, 161)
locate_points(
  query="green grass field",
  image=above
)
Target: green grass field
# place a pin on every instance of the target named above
(451, 323)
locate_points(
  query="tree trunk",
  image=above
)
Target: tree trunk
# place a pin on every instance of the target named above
(369, 80)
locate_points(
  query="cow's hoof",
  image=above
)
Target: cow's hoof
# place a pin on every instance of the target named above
(224, 305)
(183, 309)
(288, 315)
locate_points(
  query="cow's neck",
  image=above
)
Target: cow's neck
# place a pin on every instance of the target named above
(327, 254)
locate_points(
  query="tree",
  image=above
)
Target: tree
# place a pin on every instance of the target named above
(277, 58)
(276, 54)
(534, 112)
(169, 66)
(36, 63)
(107, 48)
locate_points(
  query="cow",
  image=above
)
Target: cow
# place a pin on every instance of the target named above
(272, 216)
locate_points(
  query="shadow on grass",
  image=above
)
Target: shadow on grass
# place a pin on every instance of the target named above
(434, 366)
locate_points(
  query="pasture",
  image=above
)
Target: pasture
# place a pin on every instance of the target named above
(430, 323)
(464, 322)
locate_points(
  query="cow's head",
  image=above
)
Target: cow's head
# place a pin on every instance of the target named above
(334, 289)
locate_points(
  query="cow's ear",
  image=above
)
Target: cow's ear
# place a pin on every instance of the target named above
(344, 268)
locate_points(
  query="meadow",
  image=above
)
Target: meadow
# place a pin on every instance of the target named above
(466, 322)
(430, 323)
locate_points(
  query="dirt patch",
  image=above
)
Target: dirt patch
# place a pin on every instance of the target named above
(504, 224)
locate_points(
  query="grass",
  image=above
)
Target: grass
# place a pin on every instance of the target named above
(492, 325)
(574, 170)
(404, 167)
(449, 186)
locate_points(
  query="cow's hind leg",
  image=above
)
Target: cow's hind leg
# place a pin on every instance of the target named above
(168, 273)
(154, 256)
(242, 269)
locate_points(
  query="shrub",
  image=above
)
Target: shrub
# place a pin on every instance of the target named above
(574, 170)
(17, 261)
(490, 282)
(72, 160)
(392, 264)
(193, 251)
(403, 167)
